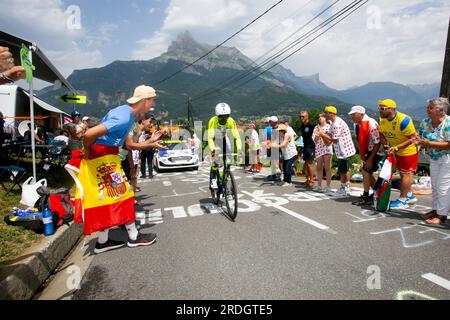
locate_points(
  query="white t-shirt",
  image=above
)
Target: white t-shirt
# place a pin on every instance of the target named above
(344, 148)
(291, 132)
(290, 150)
(254, 140)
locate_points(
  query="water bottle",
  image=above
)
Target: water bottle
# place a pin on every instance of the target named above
(47, 218)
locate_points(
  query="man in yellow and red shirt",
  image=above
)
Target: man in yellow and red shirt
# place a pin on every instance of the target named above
(397, 133)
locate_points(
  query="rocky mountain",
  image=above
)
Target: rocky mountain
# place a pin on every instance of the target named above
(278, 91)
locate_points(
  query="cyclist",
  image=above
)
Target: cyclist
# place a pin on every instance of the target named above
(217, 126)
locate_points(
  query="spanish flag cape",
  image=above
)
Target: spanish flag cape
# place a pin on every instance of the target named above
(103, 197)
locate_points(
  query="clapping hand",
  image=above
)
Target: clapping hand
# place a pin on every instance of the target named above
(155, 136)
(6, 59)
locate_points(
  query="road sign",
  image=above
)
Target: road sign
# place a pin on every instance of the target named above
(73, 99)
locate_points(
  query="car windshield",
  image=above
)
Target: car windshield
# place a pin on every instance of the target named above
(176, 145)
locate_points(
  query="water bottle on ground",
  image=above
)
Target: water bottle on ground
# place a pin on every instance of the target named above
(47, 216)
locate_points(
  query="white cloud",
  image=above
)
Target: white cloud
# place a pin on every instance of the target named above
(400, 41)
(45, 22)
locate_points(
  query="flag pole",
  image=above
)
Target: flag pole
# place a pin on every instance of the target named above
(33, 134)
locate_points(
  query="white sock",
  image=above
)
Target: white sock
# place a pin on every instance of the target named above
(403, 199)
(103, 236)
(409, 194)
(132, 231)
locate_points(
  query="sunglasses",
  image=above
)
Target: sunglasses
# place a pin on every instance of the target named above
(383, 108)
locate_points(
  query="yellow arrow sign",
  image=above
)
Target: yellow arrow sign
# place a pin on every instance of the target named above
(73, 99)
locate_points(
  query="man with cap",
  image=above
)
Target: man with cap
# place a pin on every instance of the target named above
(106, 198)
(398, 135)
(75, 132)
(343, 146)
(370, 150)
(307, 129)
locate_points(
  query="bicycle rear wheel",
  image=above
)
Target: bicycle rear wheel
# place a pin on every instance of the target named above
(230, 195)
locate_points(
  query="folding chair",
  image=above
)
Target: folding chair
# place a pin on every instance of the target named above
(14, 174)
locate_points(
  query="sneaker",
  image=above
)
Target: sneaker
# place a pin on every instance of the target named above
(142, 240)
(326, 190)
(318, 189)
(108, 245)
(285, 184)
(363, 201)
(214, 184)
(411, 199)
(271, 177)
(341, 193)
(398, 204)
(143, 177)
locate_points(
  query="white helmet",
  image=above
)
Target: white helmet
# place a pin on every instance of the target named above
(222, 109)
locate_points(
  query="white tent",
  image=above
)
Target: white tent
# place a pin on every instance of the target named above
(44, 70)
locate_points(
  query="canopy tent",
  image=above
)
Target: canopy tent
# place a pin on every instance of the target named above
(44, 70)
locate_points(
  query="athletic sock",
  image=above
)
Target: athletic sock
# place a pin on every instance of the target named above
(103, 236)
(132, 231)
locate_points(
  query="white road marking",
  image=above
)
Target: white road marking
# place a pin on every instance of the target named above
(175, 194)
(178, 212)
(167, 183)
(305, 219)
(444, 283)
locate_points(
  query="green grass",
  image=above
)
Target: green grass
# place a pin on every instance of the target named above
(15, 240)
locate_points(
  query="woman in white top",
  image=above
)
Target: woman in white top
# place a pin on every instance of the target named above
(323, 154)
(289, 152)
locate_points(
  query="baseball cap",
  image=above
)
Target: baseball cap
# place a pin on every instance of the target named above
(330, 109)
(85, 118)
(273, 119)
(142, 92)
(282, 127)
(357, 109)
(387, 103)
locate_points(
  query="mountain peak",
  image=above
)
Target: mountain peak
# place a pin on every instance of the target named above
(185, 43)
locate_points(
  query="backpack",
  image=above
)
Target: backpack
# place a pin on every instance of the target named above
(59, 203)
(31, 221)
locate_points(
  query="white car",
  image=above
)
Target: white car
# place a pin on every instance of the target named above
(178, 156)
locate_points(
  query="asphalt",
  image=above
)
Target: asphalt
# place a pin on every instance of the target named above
(286, 243)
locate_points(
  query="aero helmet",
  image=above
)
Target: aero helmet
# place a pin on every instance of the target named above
(222, 109)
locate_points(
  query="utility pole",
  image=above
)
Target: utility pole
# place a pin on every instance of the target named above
(445, 82)
(190, 115)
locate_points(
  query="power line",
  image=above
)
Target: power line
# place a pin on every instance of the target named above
(285, 49)
(358, 6)
(206, 54)
(237, 76)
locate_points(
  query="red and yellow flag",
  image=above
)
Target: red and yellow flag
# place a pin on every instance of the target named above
(103, 197)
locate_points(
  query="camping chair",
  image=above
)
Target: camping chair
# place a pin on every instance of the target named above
(58, 153)
(13, 174)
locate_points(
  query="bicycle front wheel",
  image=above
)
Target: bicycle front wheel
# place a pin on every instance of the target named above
(230, 195)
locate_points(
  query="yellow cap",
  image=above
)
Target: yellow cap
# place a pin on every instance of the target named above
(331, 109)
(387, 103)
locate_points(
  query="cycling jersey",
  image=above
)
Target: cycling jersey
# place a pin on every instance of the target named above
(213, 132)
(397, 131)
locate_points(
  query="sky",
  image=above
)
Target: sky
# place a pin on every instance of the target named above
(401, 41)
